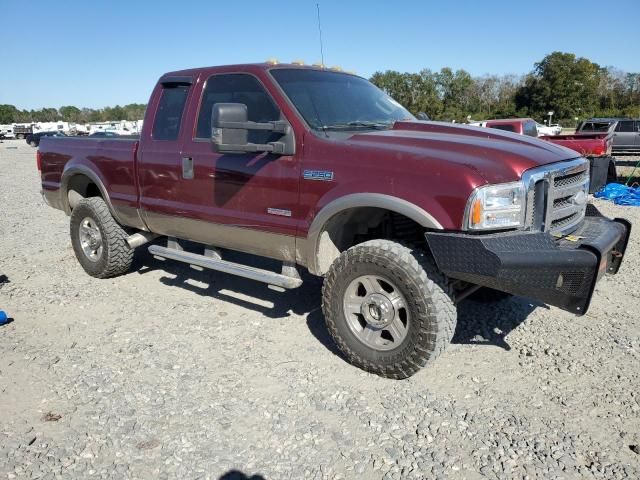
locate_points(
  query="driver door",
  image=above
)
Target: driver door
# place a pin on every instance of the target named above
(242, 201)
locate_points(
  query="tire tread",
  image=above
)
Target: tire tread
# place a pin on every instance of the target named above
(437, 309)
(119, 254)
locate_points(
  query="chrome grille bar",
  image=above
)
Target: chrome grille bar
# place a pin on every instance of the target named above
(565, 186)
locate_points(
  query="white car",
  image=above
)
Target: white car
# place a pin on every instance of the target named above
(558, 128)
(553, 129)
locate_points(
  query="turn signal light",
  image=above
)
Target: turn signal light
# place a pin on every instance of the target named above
(39, 160)
(476, 212)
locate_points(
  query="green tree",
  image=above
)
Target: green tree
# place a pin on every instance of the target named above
(456, 93)
(8, 114)
(563, 83)
(70, 113)
(134, 111)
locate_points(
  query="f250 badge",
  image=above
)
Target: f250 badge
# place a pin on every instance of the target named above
(323, 175)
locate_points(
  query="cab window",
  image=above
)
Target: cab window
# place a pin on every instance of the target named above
(166, 125)
(238, 88)
(530, 129)
(595, 127)
(505, 127)
(625, 126)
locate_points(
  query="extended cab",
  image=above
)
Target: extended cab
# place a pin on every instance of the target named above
(322, 170)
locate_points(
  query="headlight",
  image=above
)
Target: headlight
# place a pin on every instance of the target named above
(496, 206)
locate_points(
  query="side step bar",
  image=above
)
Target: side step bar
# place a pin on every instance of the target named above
(213, 263)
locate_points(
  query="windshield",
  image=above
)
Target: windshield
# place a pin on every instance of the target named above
(339, 101)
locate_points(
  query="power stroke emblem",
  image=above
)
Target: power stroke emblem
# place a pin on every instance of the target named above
(279, 211)
(322, 175)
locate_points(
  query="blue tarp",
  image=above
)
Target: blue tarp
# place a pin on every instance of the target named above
(620, 194)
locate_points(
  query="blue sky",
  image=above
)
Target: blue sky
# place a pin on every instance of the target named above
(95, 54)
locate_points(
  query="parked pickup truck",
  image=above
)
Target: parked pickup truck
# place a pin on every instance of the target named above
(596, 147)
(322, 170)
(625, 131)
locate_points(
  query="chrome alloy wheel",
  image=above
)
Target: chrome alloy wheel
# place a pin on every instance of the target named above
(376, 312)
(90, 239)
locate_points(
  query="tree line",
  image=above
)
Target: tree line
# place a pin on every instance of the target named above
(69, 113)
(572, 87)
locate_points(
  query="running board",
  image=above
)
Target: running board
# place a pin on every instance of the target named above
(213, 263)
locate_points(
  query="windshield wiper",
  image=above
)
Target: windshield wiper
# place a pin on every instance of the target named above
(357, 125)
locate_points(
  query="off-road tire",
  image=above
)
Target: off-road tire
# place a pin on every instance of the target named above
(489, 296)
(117, 256)
(433, 313)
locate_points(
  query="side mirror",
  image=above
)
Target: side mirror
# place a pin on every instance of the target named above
(230, 129)
(422, 116)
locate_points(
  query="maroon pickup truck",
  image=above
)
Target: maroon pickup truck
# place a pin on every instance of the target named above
(320, 169)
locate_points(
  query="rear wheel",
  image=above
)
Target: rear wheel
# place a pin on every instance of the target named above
(99, 242)
(32, 143)
(388, 308)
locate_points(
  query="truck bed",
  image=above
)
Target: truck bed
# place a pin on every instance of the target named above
(587, 144)
(111, 160)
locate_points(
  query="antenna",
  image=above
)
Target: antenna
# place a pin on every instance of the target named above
(320, 32)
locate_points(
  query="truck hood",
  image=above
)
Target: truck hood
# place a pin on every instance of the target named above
(496, 155)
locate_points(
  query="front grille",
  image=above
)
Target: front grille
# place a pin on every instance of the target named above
(556, 198)
(570, 179)
(564, 221)
(562, 202)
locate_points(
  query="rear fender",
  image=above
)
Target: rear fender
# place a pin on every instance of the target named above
(73, 170)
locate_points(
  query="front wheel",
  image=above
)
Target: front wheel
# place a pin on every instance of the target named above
(99, 242)
(387, 307)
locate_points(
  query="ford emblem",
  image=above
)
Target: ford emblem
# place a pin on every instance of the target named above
(579, 199)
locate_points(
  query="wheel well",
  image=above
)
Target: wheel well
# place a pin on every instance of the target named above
(357, 225)
(79, 187)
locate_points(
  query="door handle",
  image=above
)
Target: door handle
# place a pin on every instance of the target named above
(187, 168)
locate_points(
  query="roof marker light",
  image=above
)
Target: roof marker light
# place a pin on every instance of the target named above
(298, 62)
(272, 61)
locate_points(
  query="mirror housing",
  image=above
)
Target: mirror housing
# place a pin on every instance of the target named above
(230, 131)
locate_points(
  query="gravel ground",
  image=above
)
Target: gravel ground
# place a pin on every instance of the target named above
(169, 372)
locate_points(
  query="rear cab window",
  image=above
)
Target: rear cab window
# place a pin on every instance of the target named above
(595, 127)
(168, 119)
(505, 127)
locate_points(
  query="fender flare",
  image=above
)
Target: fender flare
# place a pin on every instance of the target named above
(355, 200)
(87, 172)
